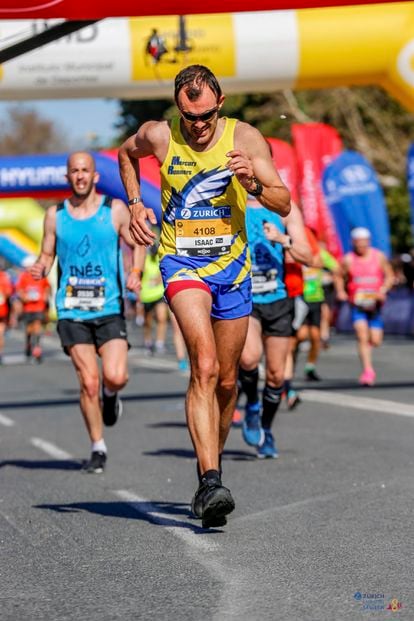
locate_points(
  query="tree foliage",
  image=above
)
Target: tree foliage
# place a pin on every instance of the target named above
(25, 132)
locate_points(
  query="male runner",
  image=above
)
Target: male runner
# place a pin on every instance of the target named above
(313, 294)
(34, 295)
(84, 233)
(208, 164)
(369, 277)
(270, 325)
(6, 290)
(152, 297)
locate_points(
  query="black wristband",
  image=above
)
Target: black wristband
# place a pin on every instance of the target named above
(133, 201)
(259, 188)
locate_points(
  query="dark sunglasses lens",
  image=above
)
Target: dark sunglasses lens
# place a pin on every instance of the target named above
(198, 117)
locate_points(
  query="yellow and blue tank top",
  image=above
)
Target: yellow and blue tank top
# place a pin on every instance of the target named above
(90, 272)
(203, 233)
(268, 274)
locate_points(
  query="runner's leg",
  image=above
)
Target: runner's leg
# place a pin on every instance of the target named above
(363, 342)
(114, 355)
(230, 335)
(276, 350)
(161, 318)
(84, 360)
(2, 332)
(376, 336)
(192, 309)
(249, 361)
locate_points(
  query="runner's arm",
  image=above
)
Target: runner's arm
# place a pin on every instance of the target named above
(340, 278)
(47, 255)
(252, 163)
(389, 278)
(300, 249)
(121, 221)
(138, 146)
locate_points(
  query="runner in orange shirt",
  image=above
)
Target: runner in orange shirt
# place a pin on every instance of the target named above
(6, 290)
(34, 296)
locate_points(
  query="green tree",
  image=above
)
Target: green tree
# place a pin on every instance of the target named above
(25, 132)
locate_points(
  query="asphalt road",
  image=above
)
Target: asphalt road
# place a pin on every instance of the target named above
(319, 534)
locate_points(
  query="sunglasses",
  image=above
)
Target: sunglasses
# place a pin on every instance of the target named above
(193, 118)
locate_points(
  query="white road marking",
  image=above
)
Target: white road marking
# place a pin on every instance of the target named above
(358, 403)
(145, 507)
(316, 499)
(231, 602)
(6, 421)
(50, 449)
(152, 363)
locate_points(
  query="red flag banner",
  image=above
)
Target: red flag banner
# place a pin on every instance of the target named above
(284, 159)
(316, 144)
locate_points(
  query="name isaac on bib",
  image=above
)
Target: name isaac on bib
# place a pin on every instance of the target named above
(204, 231)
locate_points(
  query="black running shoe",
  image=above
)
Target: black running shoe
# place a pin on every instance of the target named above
(111, 409)
(212, 501)
(96, 464)
(312, 376)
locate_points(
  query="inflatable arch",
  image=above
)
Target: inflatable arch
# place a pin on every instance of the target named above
(249, 52)
(21, 225)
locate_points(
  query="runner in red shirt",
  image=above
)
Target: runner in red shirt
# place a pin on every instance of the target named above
(294, 286)
(34, 296)
(6, 290)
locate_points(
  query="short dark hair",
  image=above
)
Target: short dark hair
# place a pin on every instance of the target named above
(192, 79)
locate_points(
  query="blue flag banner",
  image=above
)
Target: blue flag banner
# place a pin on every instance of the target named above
(410, 183)
(355, 198)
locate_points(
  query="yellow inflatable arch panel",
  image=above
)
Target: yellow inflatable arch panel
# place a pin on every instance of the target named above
(358, 45)
(23, 214)
(249, 52)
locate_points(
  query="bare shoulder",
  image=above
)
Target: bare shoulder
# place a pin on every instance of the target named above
(120, 212)
(51, 212)
(294, 216)
(118, 206)
(382, 256)
(246, 136)
(155, 132)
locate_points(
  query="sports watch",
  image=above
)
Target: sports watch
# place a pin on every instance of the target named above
(259, 188)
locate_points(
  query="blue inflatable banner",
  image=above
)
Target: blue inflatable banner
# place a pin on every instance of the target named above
(355, 198)
(410, 183)
(31, 175)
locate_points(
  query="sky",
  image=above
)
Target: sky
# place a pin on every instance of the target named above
(82, 120)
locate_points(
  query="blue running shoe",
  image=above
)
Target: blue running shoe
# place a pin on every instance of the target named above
(252, 431)
(268, 450)
(183, 365)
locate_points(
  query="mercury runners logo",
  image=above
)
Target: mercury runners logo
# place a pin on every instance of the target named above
(179, 166)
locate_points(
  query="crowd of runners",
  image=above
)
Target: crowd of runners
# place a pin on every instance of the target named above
(231, 267)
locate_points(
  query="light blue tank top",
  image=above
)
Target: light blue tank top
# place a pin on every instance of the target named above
(267, 257)
(90, 273)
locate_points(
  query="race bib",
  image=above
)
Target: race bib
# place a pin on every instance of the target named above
(85, 293)
(203, 232)
(366, 299)
(264, 281)
(33, 295)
